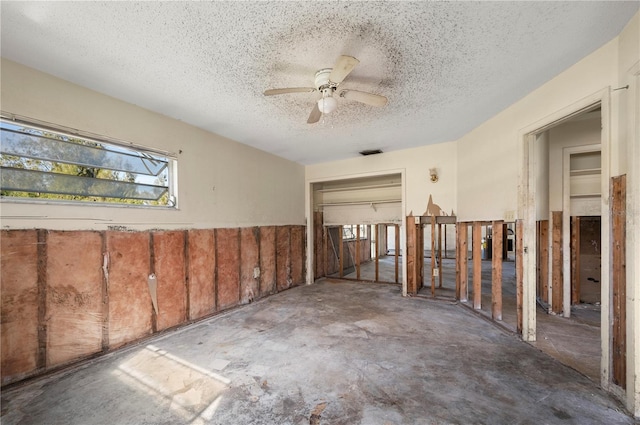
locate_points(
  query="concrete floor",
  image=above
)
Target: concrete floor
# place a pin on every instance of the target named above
(335, 352)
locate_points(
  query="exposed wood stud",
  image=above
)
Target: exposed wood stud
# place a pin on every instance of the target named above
(556, 262)
(215, 271)
(105, 292)
(575, 260)
(496, 271)
(340, 252)
(439, 255)
(152, 270)
(358, 252)
(187, 289)
(618, 191)
(41, 358)
(519, 276)
(543, 260)
(325, 249)
(433, 255)
(397, 250)
(377, 248)
(477, 265)
(464, 261)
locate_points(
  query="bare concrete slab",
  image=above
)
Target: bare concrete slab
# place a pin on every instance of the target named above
(334, 352)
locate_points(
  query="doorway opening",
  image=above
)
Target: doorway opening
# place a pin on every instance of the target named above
(570, 179)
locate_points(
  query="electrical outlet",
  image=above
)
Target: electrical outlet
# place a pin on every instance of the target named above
(256, 272)
(436, 272)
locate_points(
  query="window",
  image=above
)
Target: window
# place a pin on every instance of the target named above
(47, 164)
(349, 231)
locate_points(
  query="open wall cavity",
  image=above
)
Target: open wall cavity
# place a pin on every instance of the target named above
(71, 295)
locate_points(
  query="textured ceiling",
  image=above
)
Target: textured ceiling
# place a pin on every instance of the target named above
(445, 66)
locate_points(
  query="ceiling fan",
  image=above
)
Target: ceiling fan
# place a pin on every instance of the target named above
(327, 81)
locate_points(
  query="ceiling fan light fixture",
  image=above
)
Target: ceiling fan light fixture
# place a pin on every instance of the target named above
(327, 104)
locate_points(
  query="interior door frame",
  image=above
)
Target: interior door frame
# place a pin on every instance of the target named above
(527, 210)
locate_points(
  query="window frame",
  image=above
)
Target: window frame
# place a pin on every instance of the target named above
(170, 157)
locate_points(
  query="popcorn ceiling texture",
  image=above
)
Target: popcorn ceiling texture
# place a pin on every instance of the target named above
(445, 66)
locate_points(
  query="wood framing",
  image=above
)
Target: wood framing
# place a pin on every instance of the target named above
(556, 262)
(439, 255)
(358, 252)
(496, 271)
(463, 261)
(376, 228)
(618, 281)
(340, 253)
(575, 260)
(397, 249)
(477, 265)
(519, 276)
(433, 255)
(543, 260)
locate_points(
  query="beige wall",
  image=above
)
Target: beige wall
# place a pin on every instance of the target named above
(221, 183)
(415, 164)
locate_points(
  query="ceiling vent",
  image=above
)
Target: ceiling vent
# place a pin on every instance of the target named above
(370, 152)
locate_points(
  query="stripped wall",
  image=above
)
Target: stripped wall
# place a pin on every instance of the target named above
(71, 295)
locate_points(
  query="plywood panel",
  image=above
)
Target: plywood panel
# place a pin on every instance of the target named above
(201, 272)
(249, 264)
(297, 255)
(283, 257)
(19, 297)
(74, 296)
(130, 306)
(267, 260)
(228, 258)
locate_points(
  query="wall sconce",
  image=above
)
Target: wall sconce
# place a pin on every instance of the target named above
(433, 172)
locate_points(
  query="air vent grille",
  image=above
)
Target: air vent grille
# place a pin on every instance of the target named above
(370, 152)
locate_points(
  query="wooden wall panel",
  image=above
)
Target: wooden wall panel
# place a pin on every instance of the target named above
(249, 264)
(297, 255)
(619, 280)
(228, 259)
(130, 306)
(267, 260)
(169, 254)
(283, 257)
(201, 272)
(19, 297)
(74, 296)
(556, 262)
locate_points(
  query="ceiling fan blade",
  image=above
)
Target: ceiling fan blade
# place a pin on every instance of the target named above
(315, 115)
(364, 97)
(344, 65)
(272, 92)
